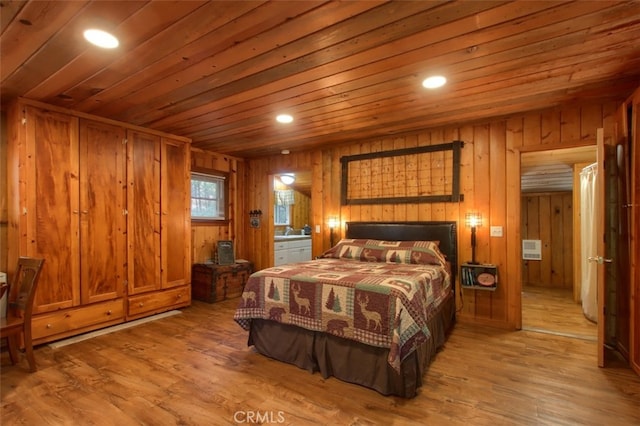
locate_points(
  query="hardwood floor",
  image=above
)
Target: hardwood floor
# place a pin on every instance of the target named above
(552, 310)
(195, 369)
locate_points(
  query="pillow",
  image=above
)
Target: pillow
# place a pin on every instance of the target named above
(416, 252)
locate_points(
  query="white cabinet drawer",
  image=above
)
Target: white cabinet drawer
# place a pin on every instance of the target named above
(299, 243)
(281, 245)
(296, 250)
(280, 258)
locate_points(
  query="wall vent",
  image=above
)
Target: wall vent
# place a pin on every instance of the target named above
(532, 249)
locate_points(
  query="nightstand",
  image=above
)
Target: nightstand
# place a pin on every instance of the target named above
(479, 276)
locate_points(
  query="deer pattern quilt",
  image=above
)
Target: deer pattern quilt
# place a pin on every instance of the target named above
(375, 303)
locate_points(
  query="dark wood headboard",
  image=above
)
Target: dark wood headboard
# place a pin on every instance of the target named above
(445, 232)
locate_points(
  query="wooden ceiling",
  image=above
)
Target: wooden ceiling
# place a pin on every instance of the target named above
(219, 72)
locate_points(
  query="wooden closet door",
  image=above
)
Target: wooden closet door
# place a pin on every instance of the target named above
(49, 206)
(176, 213)
(102, 211)
(143, 204)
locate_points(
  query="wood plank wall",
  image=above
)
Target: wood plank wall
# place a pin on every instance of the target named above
(549, 218)
(257, 190)
(4, 213)
(301, 210)
(490, 176)
(490, 182)
(204, 236)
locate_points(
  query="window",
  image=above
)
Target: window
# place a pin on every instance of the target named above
(281, 215)
(207, 197)
(282, 211)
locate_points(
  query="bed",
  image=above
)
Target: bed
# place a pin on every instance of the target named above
(372, 310)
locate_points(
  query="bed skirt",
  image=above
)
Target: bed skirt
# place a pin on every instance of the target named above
(352, 361)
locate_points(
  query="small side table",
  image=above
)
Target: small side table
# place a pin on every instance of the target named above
(212, 283)
(479, 276)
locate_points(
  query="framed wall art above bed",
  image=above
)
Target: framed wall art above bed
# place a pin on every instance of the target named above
(424, 174)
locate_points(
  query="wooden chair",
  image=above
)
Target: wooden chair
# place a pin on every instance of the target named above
(17, 322)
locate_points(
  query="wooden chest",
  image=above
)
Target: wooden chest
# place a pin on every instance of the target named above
(213, 283)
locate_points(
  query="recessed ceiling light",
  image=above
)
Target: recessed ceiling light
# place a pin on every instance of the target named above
(434, 82)
(101, 38)
(285, 152)
(284, 118)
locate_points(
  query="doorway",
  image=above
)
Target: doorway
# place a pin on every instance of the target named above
(551, 283)
(294, 202)
(290, 217)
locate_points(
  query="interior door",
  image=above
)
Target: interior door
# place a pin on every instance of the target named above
(600, 246)
(634, 227)
(606, 243)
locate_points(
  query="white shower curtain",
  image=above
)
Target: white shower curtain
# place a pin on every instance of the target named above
(588, 238)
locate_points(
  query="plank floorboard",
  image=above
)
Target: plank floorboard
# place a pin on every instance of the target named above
(552, 310)
(196, 369)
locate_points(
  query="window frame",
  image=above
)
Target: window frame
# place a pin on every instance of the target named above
(225, 186)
